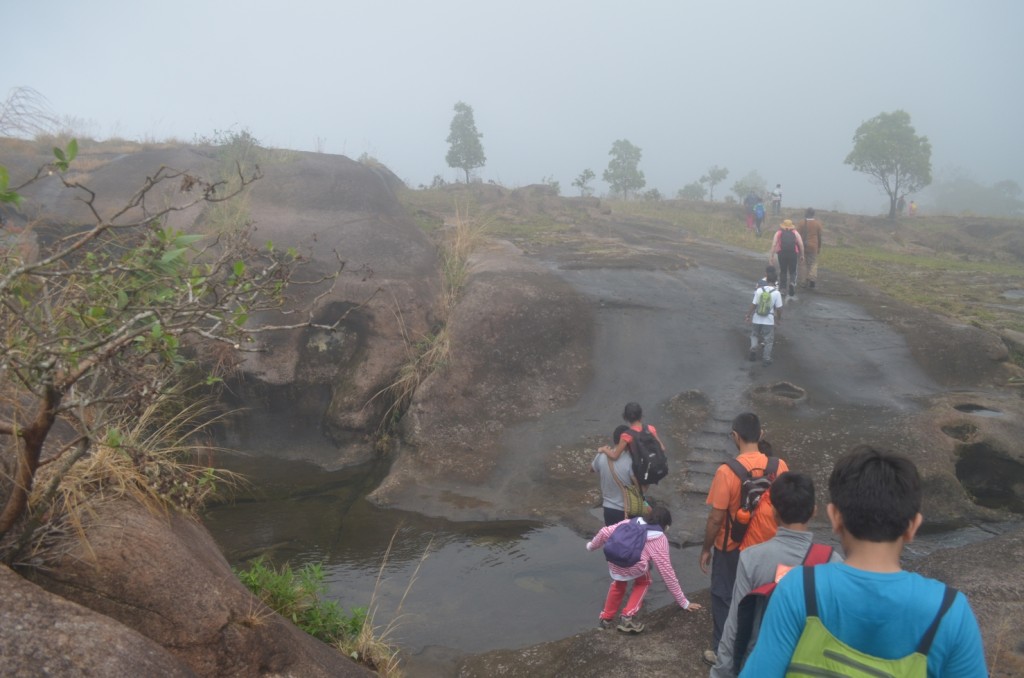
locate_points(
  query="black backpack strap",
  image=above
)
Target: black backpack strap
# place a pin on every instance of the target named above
(632, 436)
(810, 593)
(741, 471)
(771, 469)
(929, 635)
(738, 468)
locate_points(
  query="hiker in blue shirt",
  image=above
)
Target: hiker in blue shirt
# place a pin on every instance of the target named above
(868, 603)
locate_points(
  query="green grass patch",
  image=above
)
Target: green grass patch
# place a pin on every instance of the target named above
(966, 291)
(943, 263)
(301, 597)
(534, 229)
(965, 285)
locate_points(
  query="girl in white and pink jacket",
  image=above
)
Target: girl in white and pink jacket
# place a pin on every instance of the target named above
(656, 551)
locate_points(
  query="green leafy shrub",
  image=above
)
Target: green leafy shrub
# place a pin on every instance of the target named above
(300, 596)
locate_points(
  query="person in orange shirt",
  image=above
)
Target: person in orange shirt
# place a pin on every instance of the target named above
(721, 553)
(811, 233)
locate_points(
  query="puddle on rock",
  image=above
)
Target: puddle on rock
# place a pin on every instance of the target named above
(779, 393)
(979, 410)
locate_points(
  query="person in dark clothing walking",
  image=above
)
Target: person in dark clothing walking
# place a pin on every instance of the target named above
(788, 249)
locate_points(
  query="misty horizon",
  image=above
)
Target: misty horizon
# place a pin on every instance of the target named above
(778, 89)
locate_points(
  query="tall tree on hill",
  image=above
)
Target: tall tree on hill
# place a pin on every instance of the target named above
(465, 151)
(623, 174)
(715, 176)
(888, 150)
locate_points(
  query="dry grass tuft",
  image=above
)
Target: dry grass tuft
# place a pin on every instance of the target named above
(427, 354)
(459, 244)
(150, 464)
(256, 615)
(372, 646)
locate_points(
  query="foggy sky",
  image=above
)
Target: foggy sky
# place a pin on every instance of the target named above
(778, 87)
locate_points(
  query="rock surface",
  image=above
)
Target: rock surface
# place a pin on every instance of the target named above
(672, 641)
(520, 346)
(42, 634)
(328, 208)
(163, 576)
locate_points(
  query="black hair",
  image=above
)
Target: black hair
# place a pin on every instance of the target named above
(632, 412)
(878, 493)
(659, 516)
(809, 213)
(770, 275)
(619, 430)
(748, 426)
(793, 497)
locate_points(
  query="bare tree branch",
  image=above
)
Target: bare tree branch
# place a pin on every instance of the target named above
(26, 113)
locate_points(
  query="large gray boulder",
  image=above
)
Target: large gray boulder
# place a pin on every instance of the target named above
(317, 393)
(520, 346)
(312, 394)
(45, 635)
(162, 575)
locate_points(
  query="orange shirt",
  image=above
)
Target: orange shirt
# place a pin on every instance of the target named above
(810, 231)
(725, 495)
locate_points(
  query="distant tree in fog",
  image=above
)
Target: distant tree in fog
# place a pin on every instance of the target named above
(752, 183)
(958, 193)
(581, 182)
(889, 151)
(692, 191)
(715, 176)
(465, 151)
(623, 174)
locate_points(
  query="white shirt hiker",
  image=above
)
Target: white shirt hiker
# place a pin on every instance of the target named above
(776, 303)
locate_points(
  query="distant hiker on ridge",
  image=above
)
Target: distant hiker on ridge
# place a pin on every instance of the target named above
(749, 203)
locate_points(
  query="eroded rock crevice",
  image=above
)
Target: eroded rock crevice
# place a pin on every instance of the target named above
(991, 477)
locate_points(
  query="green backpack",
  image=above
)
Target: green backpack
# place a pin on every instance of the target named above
(764, 301)
(819, 653)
